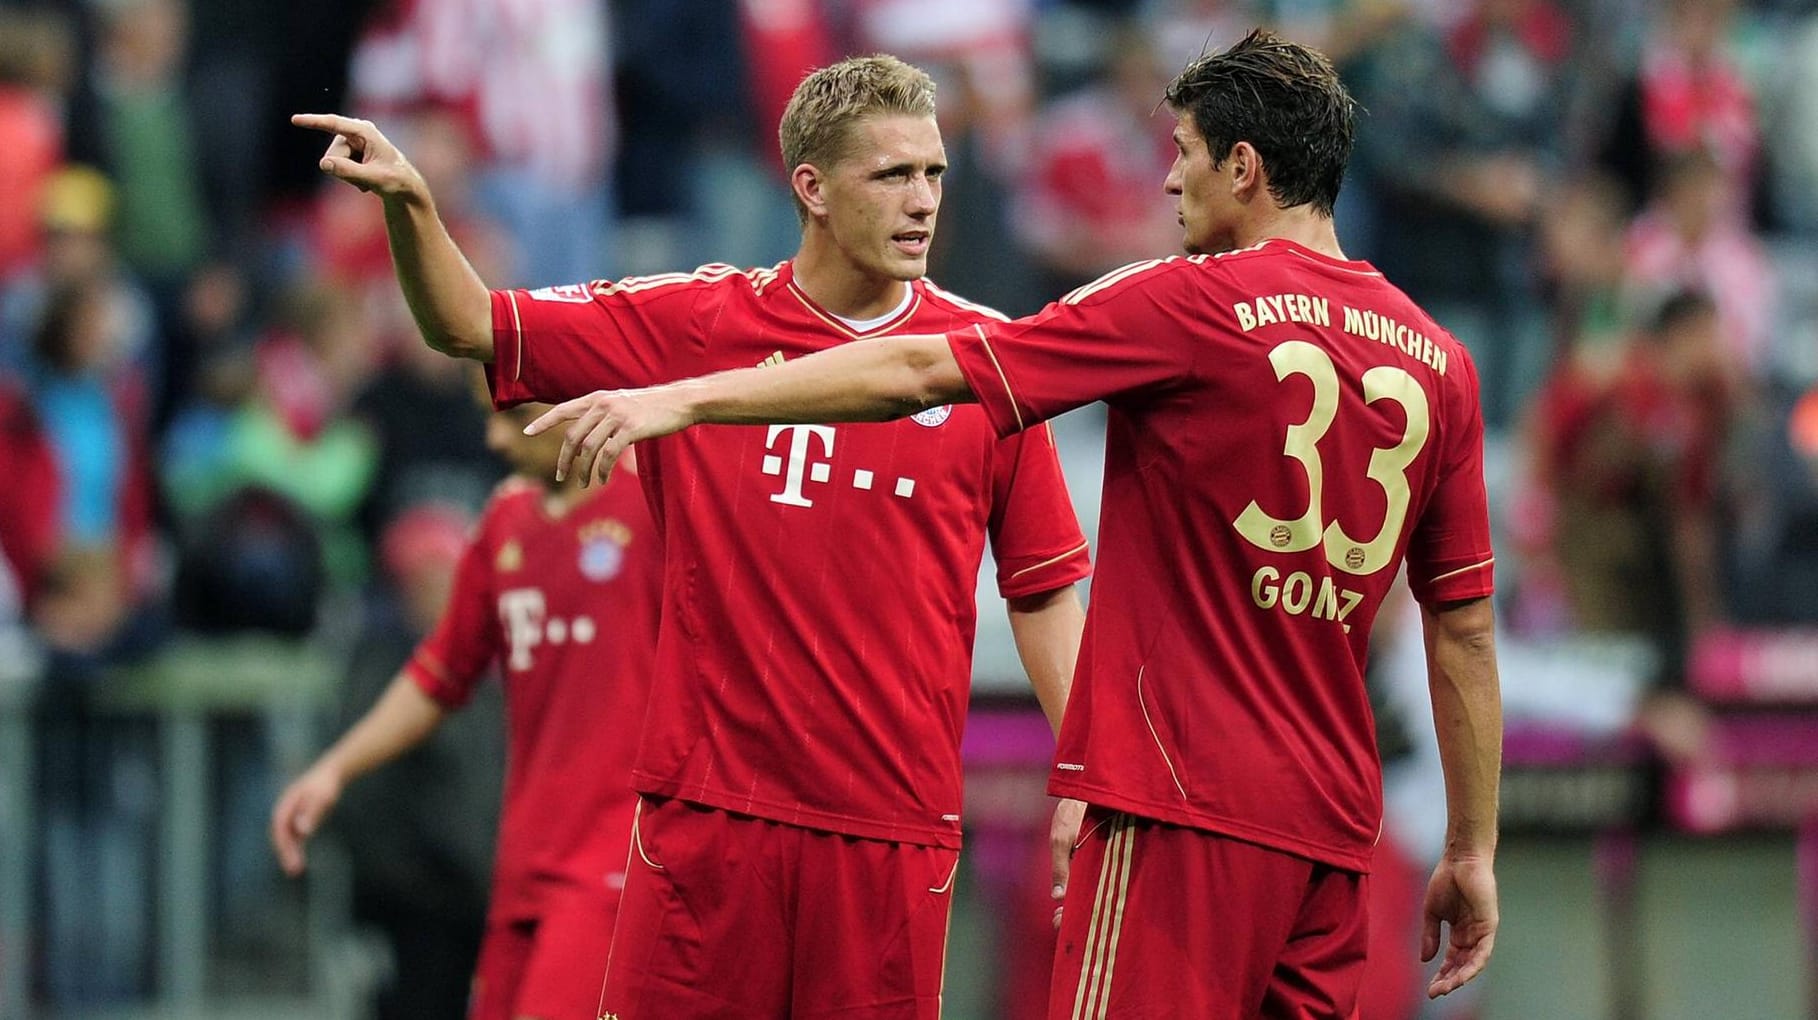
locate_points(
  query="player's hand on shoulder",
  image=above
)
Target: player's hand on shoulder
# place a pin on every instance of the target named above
(300, 810)
(361, 155)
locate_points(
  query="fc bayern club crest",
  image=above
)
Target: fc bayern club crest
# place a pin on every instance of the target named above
(603, 550)
(934, 416)
(601, 559)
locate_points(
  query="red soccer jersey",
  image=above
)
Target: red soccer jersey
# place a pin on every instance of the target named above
(1284, 427)
(566, 606)
(818, 602)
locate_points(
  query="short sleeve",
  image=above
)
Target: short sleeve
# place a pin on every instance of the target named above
(450, 661)
(1449, 554)
(1121, 335)
(556, 343)
(1035, 535)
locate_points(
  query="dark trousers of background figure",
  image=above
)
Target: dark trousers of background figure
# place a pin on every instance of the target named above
(97, 801)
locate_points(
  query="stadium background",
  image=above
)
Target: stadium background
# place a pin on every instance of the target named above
(229, 476)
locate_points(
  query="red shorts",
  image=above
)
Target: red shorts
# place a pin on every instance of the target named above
(1166, 922)
(549, 968)
(736, 917)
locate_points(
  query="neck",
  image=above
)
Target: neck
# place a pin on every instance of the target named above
(837, 285)
(558, 497)
(1299, 224)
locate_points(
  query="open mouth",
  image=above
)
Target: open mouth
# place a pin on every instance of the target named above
(911, 242)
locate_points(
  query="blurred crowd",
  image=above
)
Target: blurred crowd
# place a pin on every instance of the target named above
(217, 416)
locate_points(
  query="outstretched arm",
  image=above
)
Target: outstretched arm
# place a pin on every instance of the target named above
(400, 720)
(448, 299)
(866, 380)
(1467, 712)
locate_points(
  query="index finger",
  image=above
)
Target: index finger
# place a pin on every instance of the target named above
(568, 410)
(332, 123)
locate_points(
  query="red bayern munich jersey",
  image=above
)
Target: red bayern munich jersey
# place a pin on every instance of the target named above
(819, 595)
(566, 607)
(1283, 428)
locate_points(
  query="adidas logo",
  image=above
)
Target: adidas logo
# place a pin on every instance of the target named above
(776, 358)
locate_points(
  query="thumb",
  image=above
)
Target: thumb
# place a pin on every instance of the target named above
(305, 818)
(1429, 937)
(342, 168)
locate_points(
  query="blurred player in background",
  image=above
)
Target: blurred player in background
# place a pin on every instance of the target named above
(1285, 428)
(559, 589)
(799, 832)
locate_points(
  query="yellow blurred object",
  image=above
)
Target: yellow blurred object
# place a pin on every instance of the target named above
(77, 198)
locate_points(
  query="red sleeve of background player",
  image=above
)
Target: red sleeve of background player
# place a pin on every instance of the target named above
(1116, 337)
(451, 660)
(1035, 536)
(557, 343)
(1449, 555)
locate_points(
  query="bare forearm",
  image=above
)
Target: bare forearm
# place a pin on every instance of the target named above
(1047, 631)
(1467, 714)
(866, 380)
(402, 718)
(447, 298)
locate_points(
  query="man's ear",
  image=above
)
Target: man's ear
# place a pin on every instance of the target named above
(807, 183)
(1244, 168)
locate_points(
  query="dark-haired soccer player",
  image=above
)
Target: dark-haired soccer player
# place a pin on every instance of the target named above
(1286, 428)
(799, 834)
(559, 590)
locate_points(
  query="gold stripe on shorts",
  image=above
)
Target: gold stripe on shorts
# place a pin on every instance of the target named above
(1092, 999)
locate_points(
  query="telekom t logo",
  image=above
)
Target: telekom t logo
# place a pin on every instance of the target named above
(521, 610)
(810, 460)
(529, 625)
(799, 438)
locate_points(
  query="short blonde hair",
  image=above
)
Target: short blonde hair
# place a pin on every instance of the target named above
(817, 123)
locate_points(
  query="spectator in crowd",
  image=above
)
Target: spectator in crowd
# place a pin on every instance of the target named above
(93, 606)
(1633, 467)
(134, 121)
(37, 61)
(1582, 265)
(293, 433)
(1463, 134)
(1686, 96)
(1684, 239)
(1087, 203)
(530, 79)
(75, 222)
(93, 412)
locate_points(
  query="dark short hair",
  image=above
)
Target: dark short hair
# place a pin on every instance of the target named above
(1283, 98)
